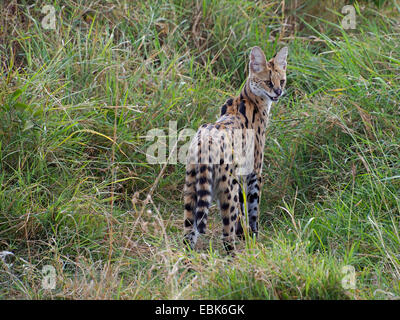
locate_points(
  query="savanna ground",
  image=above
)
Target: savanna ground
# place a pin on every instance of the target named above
(77, 192)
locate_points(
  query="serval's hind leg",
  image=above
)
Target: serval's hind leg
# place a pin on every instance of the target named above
(190, 202)
(229, 206)
(198, 196)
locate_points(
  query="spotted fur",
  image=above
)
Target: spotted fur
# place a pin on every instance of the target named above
(225, 158)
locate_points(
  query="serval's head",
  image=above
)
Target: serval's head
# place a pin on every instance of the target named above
(267, 79)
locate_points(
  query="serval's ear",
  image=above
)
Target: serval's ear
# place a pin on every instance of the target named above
(257, 60)
(280, 58)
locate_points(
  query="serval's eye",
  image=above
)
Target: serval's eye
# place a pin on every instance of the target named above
(282, 82)
(269, 83)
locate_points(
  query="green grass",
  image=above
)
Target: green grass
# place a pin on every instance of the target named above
(77, 192)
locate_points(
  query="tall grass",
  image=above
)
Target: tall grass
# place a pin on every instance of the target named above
(77, 193)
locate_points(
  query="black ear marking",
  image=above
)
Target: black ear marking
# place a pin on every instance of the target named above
(223, 109)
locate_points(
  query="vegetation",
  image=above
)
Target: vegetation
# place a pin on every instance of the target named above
(76, 189)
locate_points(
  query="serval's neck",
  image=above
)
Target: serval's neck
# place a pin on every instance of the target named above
(261, 106)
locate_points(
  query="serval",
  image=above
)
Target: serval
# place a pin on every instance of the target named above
(225, 158)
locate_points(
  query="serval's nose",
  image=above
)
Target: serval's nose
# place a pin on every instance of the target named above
(278, 91)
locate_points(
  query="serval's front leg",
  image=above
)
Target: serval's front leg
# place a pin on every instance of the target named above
(253, 201)
(252, 191)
